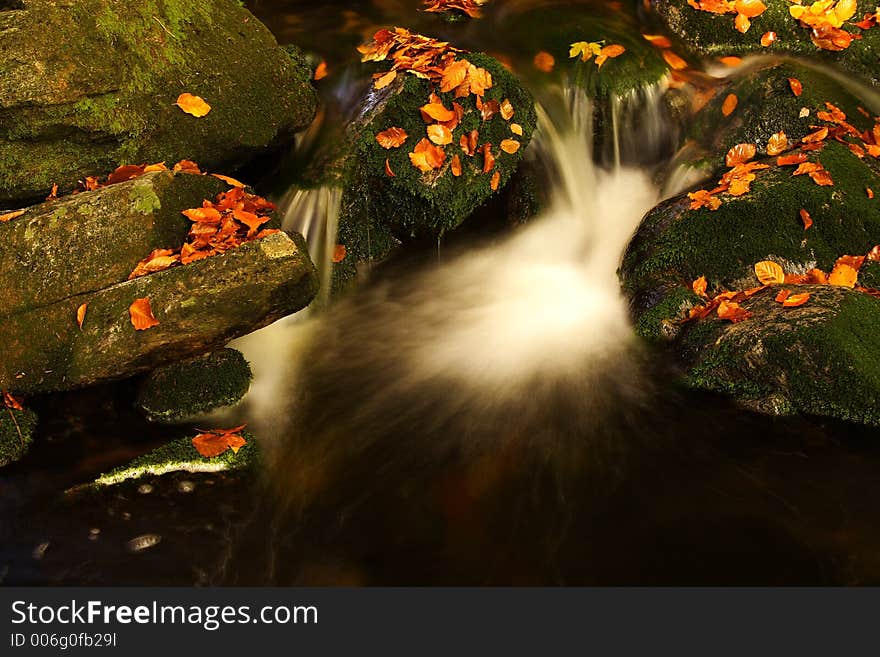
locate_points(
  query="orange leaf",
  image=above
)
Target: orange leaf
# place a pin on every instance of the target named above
(187, 166)
(742, 23)
(796, 300)
(796, 87)
(11, 215)
(729, 104)
(228, 180)
(81, 315)
(320, 71)
(740, 154)
(510, 146)
(142, 314)
(768, 39)
(750, 8)
(658, 40)
(817, 136)
(11, 402)
(731, 61)
(193, 105)
(516, 129)
(455, 166)
(806, 218)
(391, 138)
(843, 275)
(125, 172)
(384, 80)
(438, 112)
(732, 311)
(214, 443)
(675, 62)
(339, 253)
(388, 171)
(699, 286)
(488, 158)
(496, 180)
(427, 157)
(817, 276)
(439, 134)
(249, 219)
(454, 75)
(202, 215)
(777, 143)
(868, 191)
(769, 272)
(544, 62)
(789, 160)
(507, 110)
(783, 295)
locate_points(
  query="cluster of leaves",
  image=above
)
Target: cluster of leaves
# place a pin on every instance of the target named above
(745, 10)
(826, 18)
(214, 442)
(727, 304)
(736, 182)
(586, 50)
(438, 62)
(472, 8)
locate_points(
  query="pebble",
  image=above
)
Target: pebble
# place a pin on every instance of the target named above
(145, 489)
(143, 542)
(186, 487)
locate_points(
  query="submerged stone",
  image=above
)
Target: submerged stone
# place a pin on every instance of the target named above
(714, 35)
(185, 389)
(88, 85)
(16, 433)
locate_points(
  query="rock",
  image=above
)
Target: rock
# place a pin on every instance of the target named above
(820, 358)
(379, 210)
(766, 105)
(85, 242)
(16, 433)
(181, 456)
(90, 84)
(714, 35)
(187, 388)
(200, 307)
(674, 245)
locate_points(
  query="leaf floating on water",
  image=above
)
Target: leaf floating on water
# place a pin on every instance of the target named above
(320, 71)
(675, 62)
(193, 105)
(142, 314)
(729, 104)
(769, 272)
(658, 40)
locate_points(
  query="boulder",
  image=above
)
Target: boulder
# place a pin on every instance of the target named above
(87, 85)
(714, 35)
(185, 389)
(200, 307)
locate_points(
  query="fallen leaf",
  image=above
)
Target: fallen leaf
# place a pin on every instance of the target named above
(187, 166)
(437, 112)
(729, 104)
(388, 171)
(783, 295)
(439, 134)
(427, 157)
(488, 158)
(384, 80)
(203, 215)
(750, 8)
(228, 180)
(796, 300)
(510, 146)
(769, 272)
(675, 62)
(740, 154)
(81, 315)
(843, 275)
(506, 110)
(768, 39)
(544, 62)
(789, 160)
(142, 314)
(53, 194)
(454, 75)
(9, 216)
(732, 312)
(778, 143)
(516, 129)
(868, 191)
(215, 442)
(699, 286)
(339, 252)
(193, 105)
(658, 40)
(455, 166)
(11, 402)
(731, 61)
(320, 71)
(817, 136)
(496, 180)
(806, 219)
(796, 87)
(742, 23)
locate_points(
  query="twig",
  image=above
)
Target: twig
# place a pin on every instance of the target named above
(17, 428)
(173, 36)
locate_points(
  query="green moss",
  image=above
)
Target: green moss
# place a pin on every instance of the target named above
(144, 199)
(653, 325)
(181, 456)
(16, 434)
(704, 33)
(188, 388)
(869, 275)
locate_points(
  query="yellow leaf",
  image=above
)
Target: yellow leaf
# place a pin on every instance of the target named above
(769, 272)
(193, 105)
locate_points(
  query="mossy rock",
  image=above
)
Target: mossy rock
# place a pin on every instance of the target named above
(822, 358)
(88, 85)
(767, 105)
(675, 245)
(186, 389)
(713, 35)
(16, 433)
(181, 456)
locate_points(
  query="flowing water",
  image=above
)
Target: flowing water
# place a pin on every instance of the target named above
(478, 412)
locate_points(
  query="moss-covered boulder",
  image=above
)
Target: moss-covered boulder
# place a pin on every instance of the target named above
(181, 456)
(87, 85)
(185, 389)
(714, 35)
(85, 242)
(199, 307)
(822, 358)
(675, 244)
(16, 433)
(766, 105)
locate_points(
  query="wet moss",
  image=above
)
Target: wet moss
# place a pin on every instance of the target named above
(181, 456)
(714, 35)
(186, 389)
(16, 434)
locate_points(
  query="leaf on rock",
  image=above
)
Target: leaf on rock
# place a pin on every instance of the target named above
(215, 442)
(9, 216)
(769, 272)
(439, 134)
(699, 286)
(81, 315)
(142, 314)
(392, 138)
(510, 146)
(740, 154)
(806, 219)
(795, 300)
(729, 104)
(193, 105)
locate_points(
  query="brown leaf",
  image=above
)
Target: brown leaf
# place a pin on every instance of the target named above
(768, 39)
(507, 110)
(339, 253)
(384, 80)
(388, 171)
(12, 403)
(228, 180)
(455, 166)
(778, 143)
(675, 62)
(496, 180)
(732, 312)
(806, 219)
(427, 157)
(142, 314)
(81, 315)
(488, 158)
